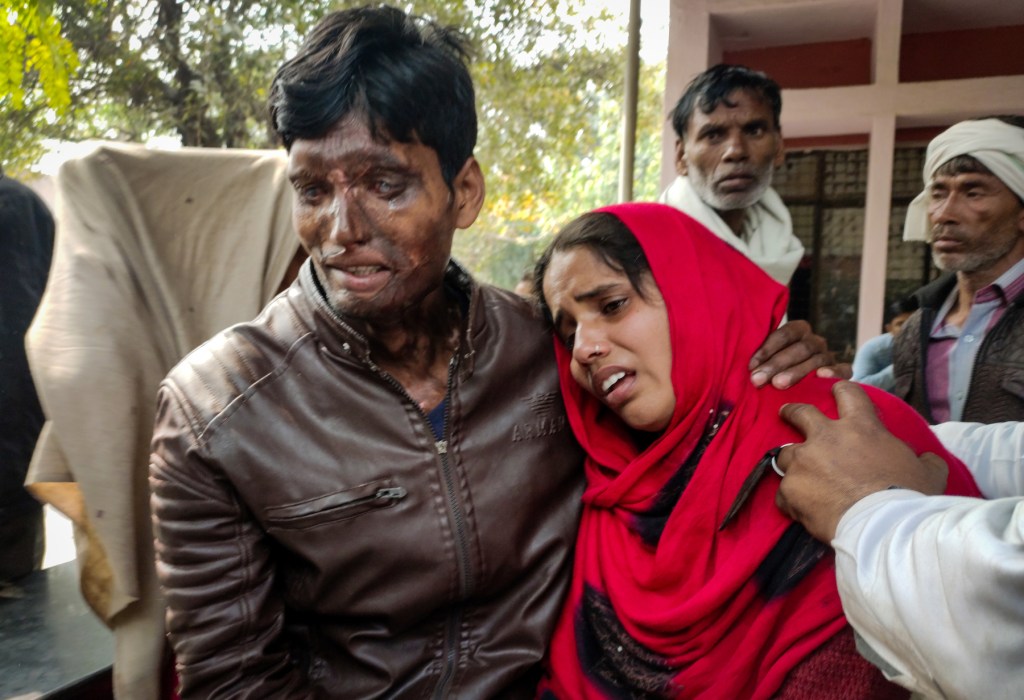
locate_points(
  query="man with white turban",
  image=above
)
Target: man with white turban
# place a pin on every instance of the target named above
(933, 584)
(961, 356)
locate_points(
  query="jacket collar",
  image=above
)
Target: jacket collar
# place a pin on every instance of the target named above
(339, 337)
(934, 293)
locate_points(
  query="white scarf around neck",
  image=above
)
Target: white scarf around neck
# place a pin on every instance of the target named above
(768, 229)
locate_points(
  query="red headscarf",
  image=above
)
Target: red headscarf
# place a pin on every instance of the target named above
(665, 602)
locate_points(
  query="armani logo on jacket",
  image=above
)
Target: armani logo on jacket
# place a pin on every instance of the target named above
(548, 418)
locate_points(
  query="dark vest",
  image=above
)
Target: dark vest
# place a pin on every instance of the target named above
(996, 391)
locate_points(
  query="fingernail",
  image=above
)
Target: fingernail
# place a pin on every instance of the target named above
(759, 378)
(782, 381)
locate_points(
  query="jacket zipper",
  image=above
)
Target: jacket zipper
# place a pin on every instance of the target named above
(451, 641)
(381, 497)
(454, 507)
(451, 637)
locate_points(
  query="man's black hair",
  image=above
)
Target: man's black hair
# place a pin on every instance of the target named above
(713, 87)
(904, 305)
(404, 74)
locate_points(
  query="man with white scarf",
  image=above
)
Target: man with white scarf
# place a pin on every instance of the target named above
(959, 358)
(729, 142)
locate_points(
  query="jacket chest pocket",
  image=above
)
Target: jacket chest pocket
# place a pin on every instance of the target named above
(334, 507)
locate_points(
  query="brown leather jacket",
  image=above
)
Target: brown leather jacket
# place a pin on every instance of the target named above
(315, 540)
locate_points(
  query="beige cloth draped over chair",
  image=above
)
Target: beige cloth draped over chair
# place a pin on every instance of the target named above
(155, 252)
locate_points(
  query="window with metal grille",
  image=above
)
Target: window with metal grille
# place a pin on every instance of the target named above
(825, 192)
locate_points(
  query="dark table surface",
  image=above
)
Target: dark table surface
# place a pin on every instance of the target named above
(49, 639)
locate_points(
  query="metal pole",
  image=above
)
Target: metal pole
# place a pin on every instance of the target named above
(627, 154)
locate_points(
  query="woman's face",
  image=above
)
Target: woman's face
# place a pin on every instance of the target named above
(619, 340)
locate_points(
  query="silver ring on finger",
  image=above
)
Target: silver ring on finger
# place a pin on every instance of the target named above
(775, 464)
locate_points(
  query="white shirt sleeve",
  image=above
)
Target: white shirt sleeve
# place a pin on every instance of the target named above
(935, 585)
(993, 453)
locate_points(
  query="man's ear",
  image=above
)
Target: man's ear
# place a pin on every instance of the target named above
(469, 189)
(780, 151)
(681, 156)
